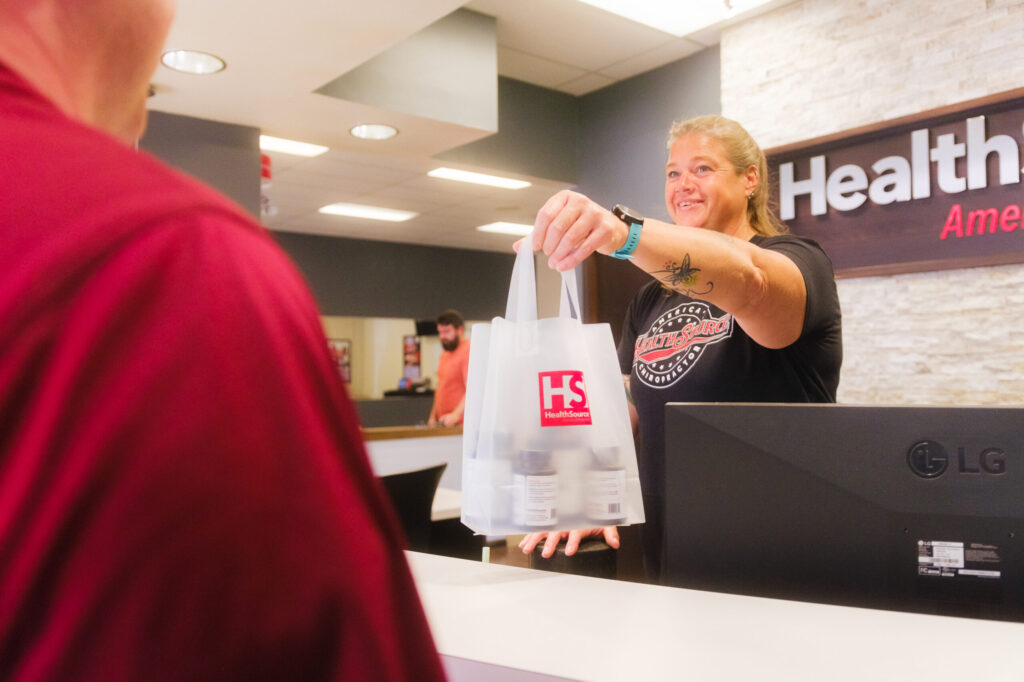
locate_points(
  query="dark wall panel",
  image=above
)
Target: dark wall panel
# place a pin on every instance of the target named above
(358, 278)
(624, 128)
(223, 155)
(538, 133)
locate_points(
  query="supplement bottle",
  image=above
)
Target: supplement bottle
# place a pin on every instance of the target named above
(534, 491)
(605, 487)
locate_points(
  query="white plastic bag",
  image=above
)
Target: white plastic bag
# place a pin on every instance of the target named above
(547, 443)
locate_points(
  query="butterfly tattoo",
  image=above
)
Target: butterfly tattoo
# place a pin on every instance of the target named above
(682, 277)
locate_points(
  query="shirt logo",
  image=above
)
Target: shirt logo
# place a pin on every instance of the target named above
(563, 399)
(676, 341)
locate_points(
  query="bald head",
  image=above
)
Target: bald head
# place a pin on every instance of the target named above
(92, 58)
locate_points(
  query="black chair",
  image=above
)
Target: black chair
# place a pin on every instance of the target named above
(412, 496)
(594, 558)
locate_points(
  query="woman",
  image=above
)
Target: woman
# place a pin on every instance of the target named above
(737, 311)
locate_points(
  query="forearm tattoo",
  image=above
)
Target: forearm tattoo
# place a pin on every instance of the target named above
(683, 277)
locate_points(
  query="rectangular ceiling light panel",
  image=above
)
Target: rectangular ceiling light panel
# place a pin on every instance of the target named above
(517, 229)
(368, 212)
(279, 144)
(477, 178)
(677, 17)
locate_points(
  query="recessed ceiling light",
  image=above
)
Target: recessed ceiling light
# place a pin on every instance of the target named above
(477, 178)
(371, 212)
(373, 131)
(279, 144)
(192, 61)
(518, 229)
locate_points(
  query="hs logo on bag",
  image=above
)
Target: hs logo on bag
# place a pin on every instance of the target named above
(563, 399)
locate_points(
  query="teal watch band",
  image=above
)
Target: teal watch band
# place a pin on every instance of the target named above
(631, 241)
(636, 224)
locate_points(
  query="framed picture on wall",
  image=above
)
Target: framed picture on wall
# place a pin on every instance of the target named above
(411, 357)
(341, 351)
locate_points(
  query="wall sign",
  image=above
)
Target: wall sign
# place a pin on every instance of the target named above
(941, 190)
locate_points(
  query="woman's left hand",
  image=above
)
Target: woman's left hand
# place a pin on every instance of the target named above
(572, 540)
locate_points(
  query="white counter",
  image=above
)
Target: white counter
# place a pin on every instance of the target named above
(447, 505)
(394, 455)
(498, 623)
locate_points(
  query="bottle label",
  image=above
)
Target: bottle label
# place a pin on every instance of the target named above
(534, 500)
(605, 491)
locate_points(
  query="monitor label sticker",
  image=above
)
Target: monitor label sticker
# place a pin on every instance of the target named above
(952, 559)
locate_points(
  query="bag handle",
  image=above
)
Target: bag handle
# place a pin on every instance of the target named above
(569, 301)
(522, 293)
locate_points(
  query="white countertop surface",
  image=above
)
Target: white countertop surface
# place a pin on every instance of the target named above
(447, 505)
(505, 623)
(409, 454)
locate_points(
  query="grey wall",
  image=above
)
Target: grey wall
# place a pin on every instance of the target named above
(223, 155)
(623, 129)
(357, 278)
(538, 134)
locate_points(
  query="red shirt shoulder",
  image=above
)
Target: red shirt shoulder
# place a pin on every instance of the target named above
(186, 484)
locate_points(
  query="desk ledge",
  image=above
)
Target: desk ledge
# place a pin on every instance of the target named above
(396, 432)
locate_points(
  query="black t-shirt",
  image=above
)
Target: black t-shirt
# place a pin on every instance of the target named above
(680, 349)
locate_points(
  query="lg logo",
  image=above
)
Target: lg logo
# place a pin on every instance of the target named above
(563, 399)
(929, 459)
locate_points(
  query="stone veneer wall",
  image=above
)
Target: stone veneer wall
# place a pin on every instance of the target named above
(816, 67)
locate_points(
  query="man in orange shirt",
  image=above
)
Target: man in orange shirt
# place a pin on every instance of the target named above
(452, 370)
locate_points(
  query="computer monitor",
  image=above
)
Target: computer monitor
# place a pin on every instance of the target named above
(426, 328)
(905, 508)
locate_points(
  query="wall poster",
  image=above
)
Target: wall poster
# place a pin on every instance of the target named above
(341, 351)
(411, 357)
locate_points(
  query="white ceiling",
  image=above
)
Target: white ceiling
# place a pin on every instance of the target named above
(279, 53)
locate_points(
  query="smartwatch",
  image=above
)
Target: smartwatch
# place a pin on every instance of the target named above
(636, 224)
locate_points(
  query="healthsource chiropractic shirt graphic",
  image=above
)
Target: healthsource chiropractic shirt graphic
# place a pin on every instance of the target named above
(676, 341)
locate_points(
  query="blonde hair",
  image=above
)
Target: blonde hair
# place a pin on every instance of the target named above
(742, 152)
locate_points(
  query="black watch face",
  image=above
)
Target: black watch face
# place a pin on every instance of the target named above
(627, 215)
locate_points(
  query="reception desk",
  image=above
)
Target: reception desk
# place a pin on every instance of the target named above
(394, 449)
(502, 623)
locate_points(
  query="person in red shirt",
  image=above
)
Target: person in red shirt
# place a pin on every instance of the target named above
(452, 370)
(184, 493)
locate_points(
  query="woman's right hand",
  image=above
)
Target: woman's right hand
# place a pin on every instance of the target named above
(551, 540)
(570, 227)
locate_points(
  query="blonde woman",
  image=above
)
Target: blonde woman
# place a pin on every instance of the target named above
(736, 311)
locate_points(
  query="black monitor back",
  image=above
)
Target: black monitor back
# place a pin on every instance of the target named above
(906, 508)
(426, 328)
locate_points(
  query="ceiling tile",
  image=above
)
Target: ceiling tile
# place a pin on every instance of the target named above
(339, 166)
(533, 69)
(585, 84)
(317, 187)
(652, 59)
(567, 31)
